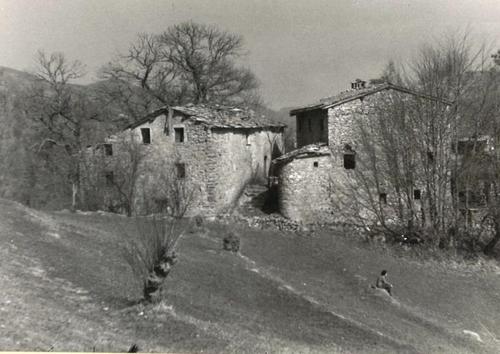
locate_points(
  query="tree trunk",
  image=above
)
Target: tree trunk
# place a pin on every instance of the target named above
(74, 187)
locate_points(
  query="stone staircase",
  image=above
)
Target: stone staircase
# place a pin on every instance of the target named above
(252, 200)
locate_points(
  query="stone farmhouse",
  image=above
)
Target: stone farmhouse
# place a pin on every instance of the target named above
(216, 151)
(326, 150)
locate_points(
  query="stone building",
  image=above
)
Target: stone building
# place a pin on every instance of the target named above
(215, 151)
(326, 156)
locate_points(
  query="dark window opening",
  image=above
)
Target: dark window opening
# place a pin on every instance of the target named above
(349, 161)
(299, 125)
(321, 125)
(146, 135)
(108, 149)
(316, 164)
(309, 123)
(179, 135)
(181, 170)
(417, 194)
(110, 178)
(430, 156)
(383, 198)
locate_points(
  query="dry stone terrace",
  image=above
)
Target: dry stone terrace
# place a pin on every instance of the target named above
(216, 150)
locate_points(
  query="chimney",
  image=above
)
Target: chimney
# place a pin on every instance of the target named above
(358, 84)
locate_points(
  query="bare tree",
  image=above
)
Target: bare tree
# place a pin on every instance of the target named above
(152, 254)
(122, 169)
(142, 79)
(189, 62)
(408, 170)
(62, 112)
(205, 58)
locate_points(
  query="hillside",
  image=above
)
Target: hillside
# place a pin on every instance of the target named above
(14, 136)
(66, 286)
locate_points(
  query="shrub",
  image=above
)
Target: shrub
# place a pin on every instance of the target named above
(231, 242)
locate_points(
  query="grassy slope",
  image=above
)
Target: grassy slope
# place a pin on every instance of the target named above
(65, 285)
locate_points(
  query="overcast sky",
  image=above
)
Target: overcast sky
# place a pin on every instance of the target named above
(300, 50)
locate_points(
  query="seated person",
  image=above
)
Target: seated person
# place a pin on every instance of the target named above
(382, 282)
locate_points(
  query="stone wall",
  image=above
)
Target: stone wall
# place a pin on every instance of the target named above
(312, 127)
(218, 162)
(237, 157)
(343, 120)
(304, 189)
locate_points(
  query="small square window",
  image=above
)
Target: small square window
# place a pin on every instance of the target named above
(181, 170)
(108, 149)
(110, 178)
(417, 194)
(179, 135)
(146, 135)
(430, 156)
(383, 198)
(349, 161)
(316, 164)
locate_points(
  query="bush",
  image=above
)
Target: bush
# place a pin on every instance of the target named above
(231, 242)
(198, 221)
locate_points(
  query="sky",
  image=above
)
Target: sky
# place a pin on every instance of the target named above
(301, 51)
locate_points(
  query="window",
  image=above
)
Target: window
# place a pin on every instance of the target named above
(181, 170)
(299, 124)
(417, 194)
(349, 161)
(179, 135)
(309, 123)
(382, 197)
(146, 135)
(430, 156)
(110, 178)
(108, 149)
(316, 164)
(321, 125)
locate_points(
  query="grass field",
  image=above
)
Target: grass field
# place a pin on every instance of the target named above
(66, 286)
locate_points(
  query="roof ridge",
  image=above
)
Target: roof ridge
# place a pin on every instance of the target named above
(350, 95)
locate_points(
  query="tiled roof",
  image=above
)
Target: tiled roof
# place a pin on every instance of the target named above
(217, 116)
(350, 95)
(312, 150)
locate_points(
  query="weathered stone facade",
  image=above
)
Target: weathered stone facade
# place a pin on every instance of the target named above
(304, 182)
(217, 152)
(306, 189)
